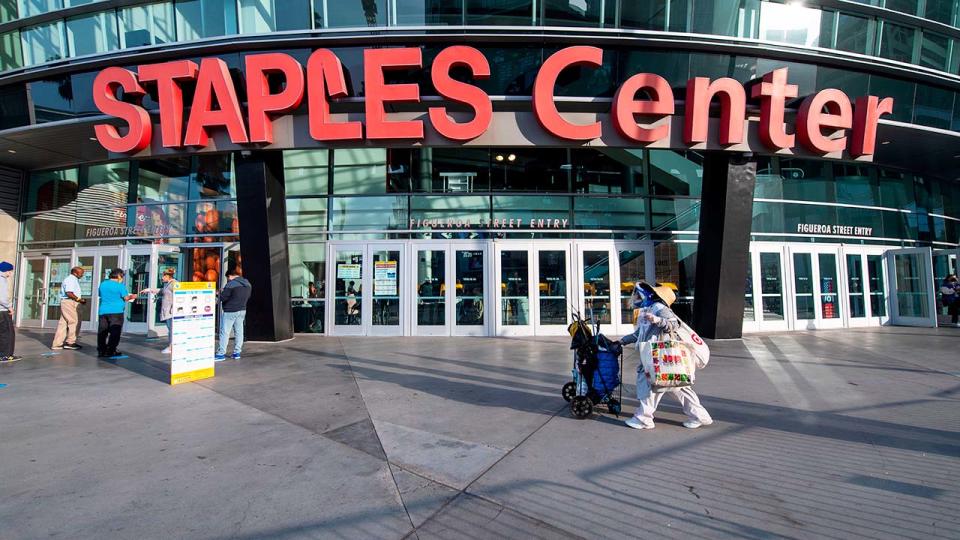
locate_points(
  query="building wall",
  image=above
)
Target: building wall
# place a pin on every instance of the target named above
(9, 212)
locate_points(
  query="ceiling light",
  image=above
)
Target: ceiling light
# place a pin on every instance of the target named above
(12, 151)
(499, 157)
(93, 139)
(511, 157)
(884, 142)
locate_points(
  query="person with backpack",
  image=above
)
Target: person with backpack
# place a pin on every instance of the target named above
(656, 320)
(233, 306)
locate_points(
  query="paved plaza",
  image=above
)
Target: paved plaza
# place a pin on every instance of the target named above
(830, 434)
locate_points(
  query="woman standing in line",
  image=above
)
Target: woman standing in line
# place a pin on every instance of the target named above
(166, 303)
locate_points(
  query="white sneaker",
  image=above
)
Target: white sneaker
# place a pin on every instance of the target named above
(637, 424)
(165, 351)
(694, 424)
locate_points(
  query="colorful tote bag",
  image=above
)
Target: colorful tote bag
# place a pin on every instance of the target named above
(667, 363)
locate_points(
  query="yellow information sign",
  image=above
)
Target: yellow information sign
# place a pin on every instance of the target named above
(194, 321)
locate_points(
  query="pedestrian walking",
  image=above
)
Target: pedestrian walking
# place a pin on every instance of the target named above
(654, 320)
(113, 300)
(71, 298)
(950, 296)
(233, 306)
(8, 336)
(166, 303)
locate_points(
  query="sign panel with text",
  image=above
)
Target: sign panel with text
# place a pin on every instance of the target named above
(194, 324)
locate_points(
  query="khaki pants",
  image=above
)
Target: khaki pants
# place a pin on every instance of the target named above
(68, 329)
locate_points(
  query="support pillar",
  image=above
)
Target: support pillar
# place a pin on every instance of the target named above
(261, 208)
(726, 217)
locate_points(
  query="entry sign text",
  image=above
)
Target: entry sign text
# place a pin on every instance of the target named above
(827, 122)
(194, 322)
(841, 230)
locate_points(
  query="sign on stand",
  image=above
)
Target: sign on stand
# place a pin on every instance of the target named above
(194, 322)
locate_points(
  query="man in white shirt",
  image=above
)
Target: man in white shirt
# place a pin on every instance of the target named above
(68, 329)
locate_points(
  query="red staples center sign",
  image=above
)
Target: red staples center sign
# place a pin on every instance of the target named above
(826, 122)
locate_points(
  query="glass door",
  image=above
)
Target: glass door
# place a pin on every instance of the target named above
(865, 295)
(595, 269)
(552, 291)
(87, 259)
(513, 293)
(910, 277)
(347, 274)
(384, 292)
(468, 266)
(433, 294)
(635, 263)
(607, 273)
(137, 277)
(945, 263)
(765, 291)
(32, 308)
(816, 288)
(167, 258)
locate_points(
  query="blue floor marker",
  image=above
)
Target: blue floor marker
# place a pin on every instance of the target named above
(50, 354)
(2, 385)
(121, 357)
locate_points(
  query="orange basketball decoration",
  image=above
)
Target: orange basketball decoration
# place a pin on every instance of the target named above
(198, 223)
(235, 226)
(212, 220)
(197, 276)
(210, 261)
(212, 275)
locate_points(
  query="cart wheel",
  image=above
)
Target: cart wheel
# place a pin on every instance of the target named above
(569, 391)
(581, 406)
(614, 407)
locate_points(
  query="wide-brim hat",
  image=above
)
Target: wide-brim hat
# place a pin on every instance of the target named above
(661, 292)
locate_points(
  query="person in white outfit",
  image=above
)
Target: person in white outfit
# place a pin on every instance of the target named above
(656, 318)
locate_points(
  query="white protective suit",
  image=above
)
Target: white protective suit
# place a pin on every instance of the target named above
(664, 321)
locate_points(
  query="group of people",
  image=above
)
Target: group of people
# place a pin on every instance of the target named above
(113, 297)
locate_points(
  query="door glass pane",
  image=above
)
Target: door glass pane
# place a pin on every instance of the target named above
(911, 290)
(469, 273)
(596, 285)
(308, 286)
(829, 304)
(514, 288)
(86, 282)
(748, 309)
(771, 286)
(349, 265)
(878, 293)
(632, 270)
(33, 290)
(858, 307)
(137, 279)
(107, 264)
(386, 288)
(552, 282)
(431, 288)
(165, 261)
(59, 269)
(803, 283)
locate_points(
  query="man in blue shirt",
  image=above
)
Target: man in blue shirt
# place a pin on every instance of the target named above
(113, 299)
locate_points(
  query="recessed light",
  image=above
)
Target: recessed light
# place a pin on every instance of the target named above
(93, 138)
(884, 142)
(12, 151)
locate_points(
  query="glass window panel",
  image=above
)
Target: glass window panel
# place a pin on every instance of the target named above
(596, 286)
(308, 265)
(50, 190)
(444, 211)
(552, 283)
(500, 12)
(11, 54)
(8, 10)
(676, 173)
(63, 97)
(650, 15)
(516, 70)
(829, 287)
(259, 16)
(42, 43)
(360, 170)
(941, 10)
(933, 107)
(855, 184)
(388, 274)
(609, 213)
(105, 185)
(771, 287)
(91, 34)
(469, 266)
(935, 51)
(163, 180)
(357, 13)
(428, 12)
(152, 24)
(902, 93)
(55, 225)
(530, 169)
(675, 214)
(305, 172)
(878, 295)
(912, 296)
(213, 177)
(514, 288)
(849, 81)
(903, 6)
(348, 284)
(807, 180)
(607, 170)
(633, 268)
(450, 170)
(803, 286)
(720, 17)
(896, 42)
(677, 263)
(369, 213)
(576, 12)
(197, 19)
(526, 208)
(29, 8)
(304, 215)
(14, 111)
(855, 286)
(854, 34)
(790, 23)
(431, 288)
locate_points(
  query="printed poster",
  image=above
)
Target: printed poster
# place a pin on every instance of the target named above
(385, 278)
(348, 271)
(194, 324)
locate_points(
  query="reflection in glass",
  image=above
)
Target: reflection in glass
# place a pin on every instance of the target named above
(552, 282)
(632, 269)
(596, 286)
(829, 291)
(428, 12)
(136, 279)
(771, 287)
(42, 43)
(911, 286)
(500, 12)
(197, 19)
(803, 286)
(431, 288)
(790, 23)
(386, 288)
(305, 172)
(59, 269)
(29, 8)
(896, 42)
(355, 13)
(855, 284)
(11, 55)
(92, 34)
(878, 292)
(469, 275)
(151, 24)
(514, 288)
(347, 295)
(308, 286)
(260, 16)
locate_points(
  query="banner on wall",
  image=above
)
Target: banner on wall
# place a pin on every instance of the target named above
(194, 324)
(385, 278)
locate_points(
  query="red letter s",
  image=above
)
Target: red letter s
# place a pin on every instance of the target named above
(105, 97)
(460, 55)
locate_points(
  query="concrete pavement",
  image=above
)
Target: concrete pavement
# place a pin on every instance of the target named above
(830, 434)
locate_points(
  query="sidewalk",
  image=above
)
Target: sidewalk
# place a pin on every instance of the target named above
(830, 434)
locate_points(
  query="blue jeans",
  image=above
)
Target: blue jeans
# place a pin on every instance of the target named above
(231, 321)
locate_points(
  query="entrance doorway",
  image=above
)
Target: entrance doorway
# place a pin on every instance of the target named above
(482, 287)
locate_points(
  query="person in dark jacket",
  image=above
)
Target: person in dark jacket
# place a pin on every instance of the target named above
(233, 306)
